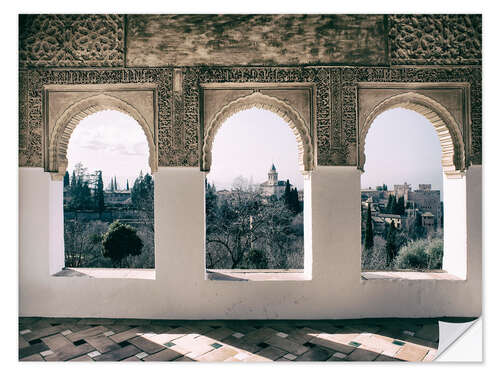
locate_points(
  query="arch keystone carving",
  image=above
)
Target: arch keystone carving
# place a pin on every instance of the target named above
(447, 129)
(279, 107)
(67, 122)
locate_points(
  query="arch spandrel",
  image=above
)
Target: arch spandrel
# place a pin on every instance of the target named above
(450, 136)
(71, 117)
(259, 100)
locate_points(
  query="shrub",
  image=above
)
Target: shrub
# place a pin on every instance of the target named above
(374, 259)
(257, 259)
(421, 254)
(120, 241)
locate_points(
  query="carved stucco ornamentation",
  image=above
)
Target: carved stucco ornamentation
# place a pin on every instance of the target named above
(448, 131)
(328, 121)
(30, 97)
(450, 39)
(71, 117)
(64, 40)
(335, 108)
(258, 100)
(353, 75)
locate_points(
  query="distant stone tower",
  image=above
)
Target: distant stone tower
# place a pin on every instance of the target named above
(273, 186)
(272, 176)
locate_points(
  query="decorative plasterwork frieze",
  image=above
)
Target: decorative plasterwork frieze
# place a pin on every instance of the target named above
(32, 109)
(179, 122)
(259, 100)
(59, 136)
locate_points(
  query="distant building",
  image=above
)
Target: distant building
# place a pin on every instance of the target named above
(424, 200)
(428, 221)
(427, 200)
(388, 218)
(116, 198)
(402, 190)
(273, 186)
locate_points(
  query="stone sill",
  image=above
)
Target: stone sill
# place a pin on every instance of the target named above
(256, 275)
(108, 273)
(408, 275)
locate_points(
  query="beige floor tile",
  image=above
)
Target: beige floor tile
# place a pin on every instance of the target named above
(217, 355)
(412, 353)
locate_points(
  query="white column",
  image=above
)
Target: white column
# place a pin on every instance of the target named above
(336, 220)
(455, 226)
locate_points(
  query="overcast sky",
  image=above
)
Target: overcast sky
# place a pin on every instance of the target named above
(110, 141)
(248, 143)
(401, 145)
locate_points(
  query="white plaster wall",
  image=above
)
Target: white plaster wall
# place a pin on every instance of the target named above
(180, 290)
(455, 226)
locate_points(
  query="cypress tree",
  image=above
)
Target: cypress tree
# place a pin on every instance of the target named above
(369, 229)
(99, 194)
(66, 179)
(286, 194)
(73, 179)
(127, 185)
(390, 204)
(399, 209)
(296, 202)
(391, 245)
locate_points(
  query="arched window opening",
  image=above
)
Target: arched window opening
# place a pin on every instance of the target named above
(108, 194)
(402, 194)
(254, 195)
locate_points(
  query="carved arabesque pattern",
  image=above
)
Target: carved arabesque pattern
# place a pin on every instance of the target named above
(448, 131)
(66, 40)
(258, 100)
(472, 75)
(30, 96)
(432, 39)
(334, 111)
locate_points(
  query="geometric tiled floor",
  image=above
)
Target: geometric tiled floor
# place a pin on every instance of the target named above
(90, 339)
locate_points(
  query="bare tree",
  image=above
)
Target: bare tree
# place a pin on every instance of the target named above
(246, 228)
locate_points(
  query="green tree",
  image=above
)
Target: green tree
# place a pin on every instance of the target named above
(99, 193)
(391, 246)
(421, 254)
(210, 205)
(248, 229)
(257, 259)
(296, 206)
(369, 229)
(389, 208)
(80, 191)
(142, 195)
(416, 230)
(120, 241)
(73, 179)
(286, 195)
(66, 179)
(291, 198)
(399, 208)
(82, 243)
(127, 185)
